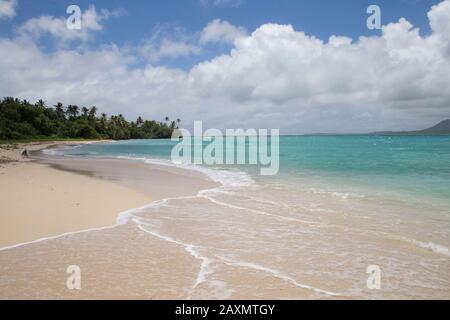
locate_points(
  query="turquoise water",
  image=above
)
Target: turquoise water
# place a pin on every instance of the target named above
(400, 166)
(338, 205)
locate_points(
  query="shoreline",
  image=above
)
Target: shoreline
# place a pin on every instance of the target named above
(11, 152)
(48, 198)
(108, 249)
(41, 202)
(218, 244)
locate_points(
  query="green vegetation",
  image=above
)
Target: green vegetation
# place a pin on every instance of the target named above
(21, 120)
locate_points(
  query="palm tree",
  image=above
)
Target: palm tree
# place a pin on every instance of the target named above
(121, 120)
(178, 123)
(40, 103)
(85, 112)
(59, 107)
(92, 113)
(103, 123)
(65, 121)
(73, 111)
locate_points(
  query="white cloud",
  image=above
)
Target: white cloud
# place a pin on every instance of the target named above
(168, 42)
(275, 77)
(221, 31)
(57, 28)
(439, 17)
(439, 22)
(168, 48)
(222, 3)
(8, 9)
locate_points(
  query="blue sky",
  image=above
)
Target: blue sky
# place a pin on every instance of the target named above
(300, 66)
(321, 18)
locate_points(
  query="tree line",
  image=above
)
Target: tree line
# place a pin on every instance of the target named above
(20, 119)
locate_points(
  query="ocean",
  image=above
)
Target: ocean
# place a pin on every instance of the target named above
(338, 206)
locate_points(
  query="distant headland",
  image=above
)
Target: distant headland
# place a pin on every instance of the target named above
(442, 128)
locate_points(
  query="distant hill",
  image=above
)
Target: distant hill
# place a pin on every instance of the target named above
(442, 128)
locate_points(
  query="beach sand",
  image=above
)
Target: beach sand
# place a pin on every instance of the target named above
(193, 245)
(51, 196)
(37, 201)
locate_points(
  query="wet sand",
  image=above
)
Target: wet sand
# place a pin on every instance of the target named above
(52, 196)
(158, 181)
(38, 201)
(257, 241)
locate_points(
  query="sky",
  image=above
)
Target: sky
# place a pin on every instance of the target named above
(298, 66)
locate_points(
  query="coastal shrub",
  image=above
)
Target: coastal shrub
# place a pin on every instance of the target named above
(19, 119)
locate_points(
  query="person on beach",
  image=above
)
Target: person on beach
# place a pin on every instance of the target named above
(25, 154)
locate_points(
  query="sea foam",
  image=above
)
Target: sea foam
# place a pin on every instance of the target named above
(227, 178)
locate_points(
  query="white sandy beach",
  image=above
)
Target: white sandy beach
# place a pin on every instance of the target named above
(195, 239)
(41, 201)
(38, 201)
